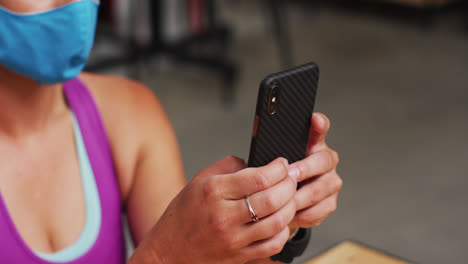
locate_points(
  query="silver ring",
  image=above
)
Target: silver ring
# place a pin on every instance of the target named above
(251, 210)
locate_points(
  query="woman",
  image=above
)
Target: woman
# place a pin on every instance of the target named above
(76, 148)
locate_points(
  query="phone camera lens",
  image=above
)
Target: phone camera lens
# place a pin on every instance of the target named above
(273, 99)
(272, 108)
(274, 89)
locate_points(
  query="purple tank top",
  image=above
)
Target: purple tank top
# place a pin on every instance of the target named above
(109, 246)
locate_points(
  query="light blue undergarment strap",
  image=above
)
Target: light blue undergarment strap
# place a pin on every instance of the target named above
(93, 208)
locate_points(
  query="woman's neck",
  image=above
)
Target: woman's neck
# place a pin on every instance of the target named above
(25, 106)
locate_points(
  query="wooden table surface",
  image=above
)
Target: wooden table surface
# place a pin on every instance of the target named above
(348, 252)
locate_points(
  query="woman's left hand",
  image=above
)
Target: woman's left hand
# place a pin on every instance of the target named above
(317, 197)
(320, 183)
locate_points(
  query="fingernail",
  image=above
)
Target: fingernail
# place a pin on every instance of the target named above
(294, 173)
(320, 119)
(285, 161)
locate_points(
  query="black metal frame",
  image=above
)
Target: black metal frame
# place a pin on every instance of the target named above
(214, 35)
(280, 22)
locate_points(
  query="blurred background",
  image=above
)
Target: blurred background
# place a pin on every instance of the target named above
(393, 83)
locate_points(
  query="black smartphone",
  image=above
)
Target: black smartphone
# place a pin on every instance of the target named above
(283, 115)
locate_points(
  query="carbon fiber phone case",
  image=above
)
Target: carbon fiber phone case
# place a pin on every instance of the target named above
(285, 133)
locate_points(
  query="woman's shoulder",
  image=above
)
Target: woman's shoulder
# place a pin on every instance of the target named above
(108, 90)
(131, 114)
(123, 103)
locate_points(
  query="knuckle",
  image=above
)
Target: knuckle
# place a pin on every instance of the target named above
(323, 161)
(283, 161)
(292, 211)
(316, 194)
(269, 203)
(210, 189)
(336, 157)
(292, 185)
(289, 216)
(261, 180)
(330, 161)
(283, 169)
(327, 122)
(231, 243)
(331, 207)
(301, 219)
(306, 167)
(339, 183)
(236, 162)
(309, 219)
(276, 246)
(316, 223)
(199, 176)
(289, 189)
(312, 221)
(278, 223)
(230, 158)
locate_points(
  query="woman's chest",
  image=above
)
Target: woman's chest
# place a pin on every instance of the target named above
(41, 187)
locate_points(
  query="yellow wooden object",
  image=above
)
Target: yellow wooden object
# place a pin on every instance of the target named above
(348, 252)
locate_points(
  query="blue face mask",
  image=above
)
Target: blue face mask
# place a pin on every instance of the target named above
(49, 47)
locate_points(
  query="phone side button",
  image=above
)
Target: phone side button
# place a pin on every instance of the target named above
(255, 128)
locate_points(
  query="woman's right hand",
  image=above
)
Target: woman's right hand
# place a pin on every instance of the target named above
(209, 221)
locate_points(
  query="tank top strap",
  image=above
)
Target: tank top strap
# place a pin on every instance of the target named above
(100, 156)
(91, 125)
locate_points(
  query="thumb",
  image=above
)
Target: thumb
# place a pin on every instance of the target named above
(227, 165)
(319, 127)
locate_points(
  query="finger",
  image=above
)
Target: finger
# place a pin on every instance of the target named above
(271, 225)
(315, 215)
(319, 127)
(268, 247)
(227, 165)
(251, 180)
(266, 202)
(316, 164)
(314, 192)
